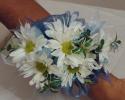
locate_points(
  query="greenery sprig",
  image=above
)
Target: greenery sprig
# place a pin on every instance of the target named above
(115, 44)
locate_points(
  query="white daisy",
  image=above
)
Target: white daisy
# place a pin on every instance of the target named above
(63, 35)
(31, 42)
(68, 73)
(38, 68)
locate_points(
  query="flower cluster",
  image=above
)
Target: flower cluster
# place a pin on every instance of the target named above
(69, 49)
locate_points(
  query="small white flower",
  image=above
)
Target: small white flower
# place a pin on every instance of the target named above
(68, 73)
(62, 39)
(36, 68)
(31, 42)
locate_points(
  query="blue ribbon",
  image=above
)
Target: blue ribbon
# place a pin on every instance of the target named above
(81, 88)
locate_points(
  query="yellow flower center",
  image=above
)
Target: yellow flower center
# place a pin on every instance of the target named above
(41, 67)
(73, 70)
(29, 46)
(67, 47)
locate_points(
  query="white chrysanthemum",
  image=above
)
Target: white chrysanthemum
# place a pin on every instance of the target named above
(62, 39)
(31, 42)
(37, 68)
(67, 73)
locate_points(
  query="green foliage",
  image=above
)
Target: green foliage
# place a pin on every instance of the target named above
(53, 84)
(115, 44)
(9, 47)
(99, 48)
(82, 43)
(83, 46)
(77, 50)
(85, 34)
(116, 40)
(88, 81)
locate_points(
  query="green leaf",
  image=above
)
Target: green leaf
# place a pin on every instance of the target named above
(9, 47)
(45, 88)
(77, 50)
(102, 43)
(99, 48)
(119, 41)
(88, 43)
(84, 52)
(88, 81)
(54, 83)
(85, 34)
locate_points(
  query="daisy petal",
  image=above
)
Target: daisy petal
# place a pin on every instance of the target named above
(58, 26)
(53, 44)
(17, 52)
(60, 61)
(18, 55)
(75, 59)
(56, 53)
(50, 33)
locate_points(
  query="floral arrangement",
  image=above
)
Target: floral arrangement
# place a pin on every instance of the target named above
(62, 51)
